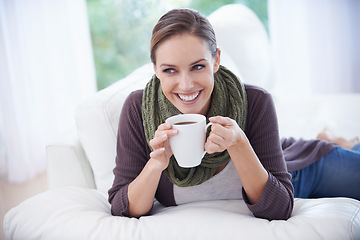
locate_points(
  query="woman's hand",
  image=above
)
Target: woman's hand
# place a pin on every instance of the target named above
(160, 143)
(225, 133)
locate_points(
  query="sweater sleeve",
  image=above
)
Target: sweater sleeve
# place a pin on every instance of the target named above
(300, 153)
(262, 131)
(129, 160)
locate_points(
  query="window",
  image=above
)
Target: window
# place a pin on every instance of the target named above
(121, 30)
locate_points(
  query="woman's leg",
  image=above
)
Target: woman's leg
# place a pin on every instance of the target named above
(305, 180)
(337, 174)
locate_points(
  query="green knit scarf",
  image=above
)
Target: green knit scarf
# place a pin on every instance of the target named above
(228, 100)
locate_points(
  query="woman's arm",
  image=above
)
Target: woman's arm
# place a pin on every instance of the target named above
(227, 135)
(141, 191)
(137, 171)
(262, 132)
(130, 160)
(257, 157)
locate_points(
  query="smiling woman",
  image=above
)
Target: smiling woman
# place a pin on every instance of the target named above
(189, 79)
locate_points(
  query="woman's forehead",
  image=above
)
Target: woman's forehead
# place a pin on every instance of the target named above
(184, 46)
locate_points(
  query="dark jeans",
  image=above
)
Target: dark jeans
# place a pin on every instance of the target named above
(337, 174)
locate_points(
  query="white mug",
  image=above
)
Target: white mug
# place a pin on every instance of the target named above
(188, 145)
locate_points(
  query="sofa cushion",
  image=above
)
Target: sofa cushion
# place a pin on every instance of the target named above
(81, 213)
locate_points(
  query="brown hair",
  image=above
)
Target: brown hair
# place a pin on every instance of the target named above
(182, 20)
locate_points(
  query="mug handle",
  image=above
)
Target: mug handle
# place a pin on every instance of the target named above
(206, 127)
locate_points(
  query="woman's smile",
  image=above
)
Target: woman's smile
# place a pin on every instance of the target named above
(188, 98)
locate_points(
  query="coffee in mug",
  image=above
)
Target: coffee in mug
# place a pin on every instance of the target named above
(183, 123)
(188, 145)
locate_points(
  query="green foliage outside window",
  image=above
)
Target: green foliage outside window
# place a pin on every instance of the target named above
(121, 30)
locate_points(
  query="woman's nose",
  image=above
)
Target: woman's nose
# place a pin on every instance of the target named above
(185, 83)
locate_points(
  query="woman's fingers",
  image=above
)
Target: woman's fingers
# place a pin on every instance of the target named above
(162, 134)
(223, 134)
(158, 141)
(157, 153)
(160, 144)
(223, 121)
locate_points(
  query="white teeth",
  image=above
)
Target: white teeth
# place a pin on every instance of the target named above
(188, 97)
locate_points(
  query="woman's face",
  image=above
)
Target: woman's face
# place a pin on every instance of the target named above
(186, 67)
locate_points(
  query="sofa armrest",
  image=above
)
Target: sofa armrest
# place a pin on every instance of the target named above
(67, 163)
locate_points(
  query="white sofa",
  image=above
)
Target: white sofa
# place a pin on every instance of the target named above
(80, 164)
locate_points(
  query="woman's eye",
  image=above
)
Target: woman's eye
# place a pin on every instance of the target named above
(198, 67)
(169, 70)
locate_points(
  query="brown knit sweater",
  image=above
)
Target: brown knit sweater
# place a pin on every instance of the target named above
(261, 129)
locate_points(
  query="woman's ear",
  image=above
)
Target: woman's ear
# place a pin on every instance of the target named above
(217, 60)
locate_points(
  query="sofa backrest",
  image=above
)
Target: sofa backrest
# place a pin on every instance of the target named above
(244, 44)
(97, 124)
(245, 50)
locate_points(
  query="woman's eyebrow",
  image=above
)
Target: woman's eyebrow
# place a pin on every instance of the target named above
(200, 60)
(167, 65)
(172, 65)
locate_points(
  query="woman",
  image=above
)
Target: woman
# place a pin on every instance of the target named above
(244, 158)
